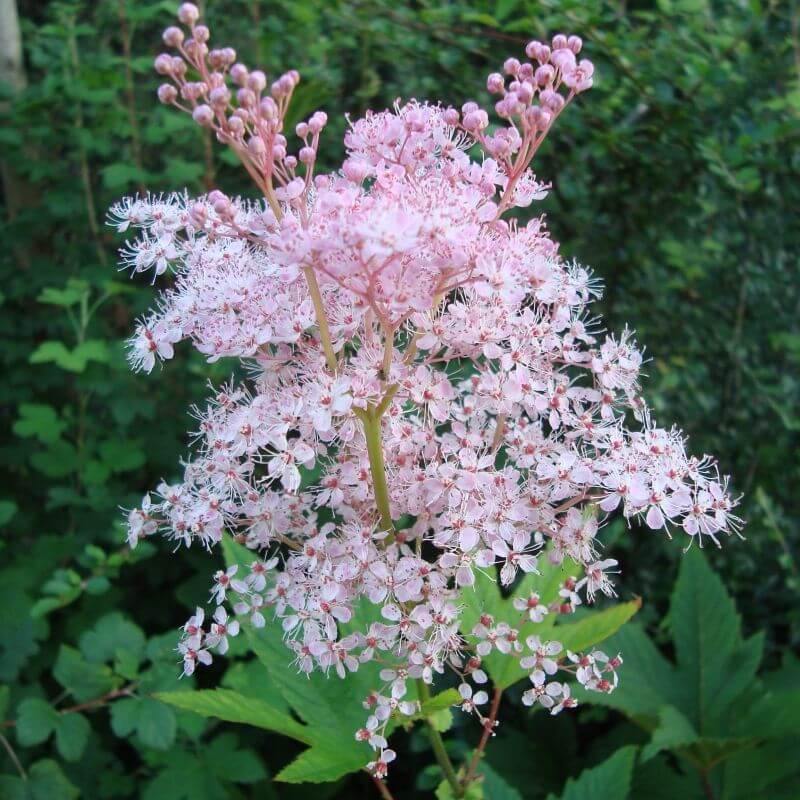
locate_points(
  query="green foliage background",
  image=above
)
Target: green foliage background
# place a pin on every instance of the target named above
(676, 178)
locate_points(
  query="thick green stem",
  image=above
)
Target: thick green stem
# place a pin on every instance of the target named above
(372, 433)
(437, 743)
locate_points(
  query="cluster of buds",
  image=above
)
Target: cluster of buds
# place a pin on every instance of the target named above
(430, 401)
(243, 109)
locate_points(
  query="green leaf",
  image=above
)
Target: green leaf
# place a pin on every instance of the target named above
(71, 294)
(707, 635)
(122, 455)
(41, 421)
(45, 781)
(234, 707)
(74, 360)
(440, 702)
(111, 635)
(84, 681)
(495, 786)
(673, 731)
(610, 780)
(330, 707)
(72, 734)
(8, 508)
(595, 626)
(36, 720)
(156, 724)
(57, 461)
(231, 763)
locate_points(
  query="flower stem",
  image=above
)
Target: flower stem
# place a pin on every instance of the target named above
(488, 729)
(437, 743)
(322, 319)
(372, 433)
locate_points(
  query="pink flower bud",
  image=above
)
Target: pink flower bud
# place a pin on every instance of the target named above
(307, 155)
(219, 97)
(551, 100)
(172, 36)
(295, 76)
(203, 115)
(188, 13)
(286, 84)
(525, 93)
(301, 129)
(511, 66)
(544, 75)
(564, 59)
(559, 41)
(163, 64)
(246, 98)
(239, 74)
(470, 106)
(356, 169)
(269, 109)
(178, 66)
(278, 152)
(290, 162)
(198, 215)
(236, 125)
(495, 83)
(201, 34)
(532, 49)
(256, 146)
(575, 43)
(167, 93)
(229, 54)
(451, 116)
(257, 81)
(319, 119)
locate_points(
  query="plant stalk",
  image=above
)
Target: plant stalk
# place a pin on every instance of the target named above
(437, 743)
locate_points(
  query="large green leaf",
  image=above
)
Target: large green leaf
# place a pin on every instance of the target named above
(330, 707)
(610, 780)
(234, 707)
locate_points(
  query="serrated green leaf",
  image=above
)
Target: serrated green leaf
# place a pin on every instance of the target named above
(440, 702)
(234, 707)
(495, 786)
(610, 780)
(231, 763)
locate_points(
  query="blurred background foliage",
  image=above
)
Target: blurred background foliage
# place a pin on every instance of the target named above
(677, 179)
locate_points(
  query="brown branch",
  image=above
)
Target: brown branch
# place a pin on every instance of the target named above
(488, 729)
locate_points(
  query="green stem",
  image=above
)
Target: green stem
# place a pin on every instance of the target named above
(437, 743)
(372, 433)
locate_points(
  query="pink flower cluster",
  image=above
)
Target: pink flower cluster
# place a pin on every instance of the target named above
(429, 395)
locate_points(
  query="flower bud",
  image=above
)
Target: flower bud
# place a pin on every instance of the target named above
(470, 106)
(163, 64)
(257, 81)
(301, 130)
(451, 116)
(246, 98)
(203, 115)
(290, 162)
(172, 36)
(544, 75)
(201, 34)
(356, 169)
(575, 43)
(219, 97)
(167, 93)
(559, 41)
(307, 155)
(532, 49)
(495, 83)
(188, 13)
(319, 119)
(278, 152)
(236, 125)
(256, 146)
(511, 66)
(269, 109)
(239, 74)
(551, 100)
(178, 66)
